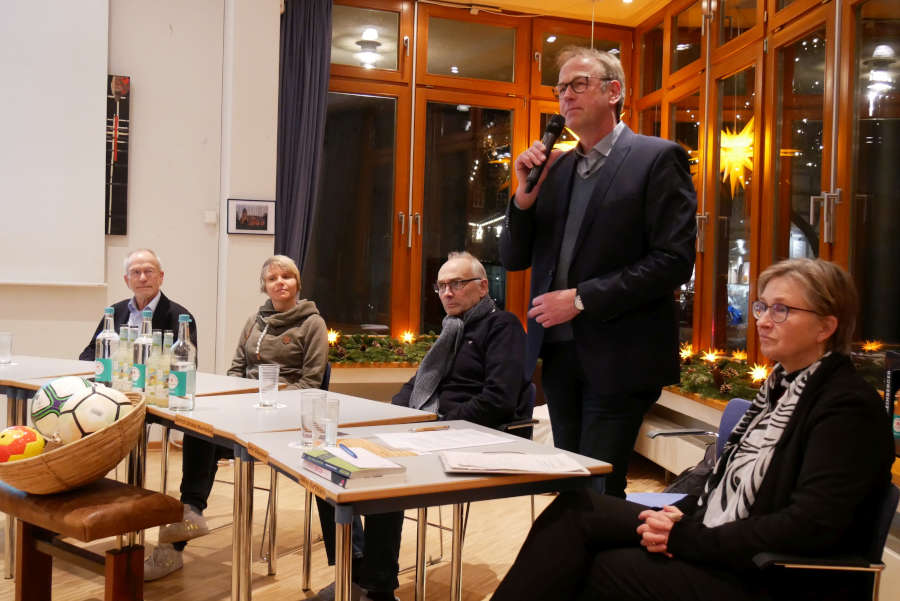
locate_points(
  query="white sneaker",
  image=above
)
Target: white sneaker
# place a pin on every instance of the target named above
(192, 526)
(163, 561)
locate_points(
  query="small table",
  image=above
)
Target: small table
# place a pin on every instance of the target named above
(227, 420)
(16, 382)
(426, 485)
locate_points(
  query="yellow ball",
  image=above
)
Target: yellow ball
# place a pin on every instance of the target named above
(20, 442)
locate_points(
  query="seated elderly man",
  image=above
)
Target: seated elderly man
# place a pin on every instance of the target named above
(474, 371)
(144, 277)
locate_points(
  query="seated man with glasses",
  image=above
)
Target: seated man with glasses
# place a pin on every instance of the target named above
(144, 277)
(475, 371)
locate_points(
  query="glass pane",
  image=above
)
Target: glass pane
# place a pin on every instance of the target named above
(651, 121)
(735, 17)
(734, 160)
(467, 178)
(474, 50)
(783, 3)
(875, 194)
(800, 90)
(553, 44)
(363, 37)
(348, 266)
(651, 59)
(686, 27)
(685, 118)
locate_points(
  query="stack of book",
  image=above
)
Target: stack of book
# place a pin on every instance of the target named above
(362, 468)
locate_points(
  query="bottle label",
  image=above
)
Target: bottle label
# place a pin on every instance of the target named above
(896, 426)
(103, 371)
(138, 375)
(178, 383)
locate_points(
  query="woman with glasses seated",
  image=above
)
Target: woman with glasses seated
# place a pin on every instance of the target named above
(800, 474)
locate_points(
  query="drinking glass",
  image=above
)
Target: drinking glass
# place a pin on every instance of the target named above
(5, 347)
(332, 414)
(320, 412)
(268, 385)
(307, 416)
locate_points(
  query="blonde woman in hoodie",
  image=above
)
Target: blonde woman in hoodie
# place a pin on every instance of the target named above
(286, 330)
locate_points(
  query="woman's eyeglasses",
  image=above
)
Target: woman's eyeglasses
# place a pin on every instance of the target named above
(777, 311)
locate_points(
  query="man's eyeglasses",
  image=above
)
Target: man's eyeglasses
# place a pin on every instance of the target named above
(136, 273)
(454, 285)
(777, 311)
(578, 84)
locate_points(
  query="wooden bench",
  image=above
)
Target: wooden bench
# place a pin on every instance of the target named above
(103, 509)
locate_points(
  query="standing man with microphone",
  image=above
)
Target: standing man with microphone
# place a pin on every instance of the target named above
(608, 230)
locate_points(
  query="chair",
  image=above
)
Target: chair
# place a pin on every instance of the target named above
(731, 415)
(868, 560)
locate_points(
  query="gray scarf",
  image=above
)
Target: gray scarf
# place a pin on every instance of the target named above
(436, 363)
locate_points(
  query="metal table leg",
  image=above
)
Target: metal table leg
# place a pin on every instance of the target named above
(246, 524)
(273, 521)
(343, 517)
(237, 543)
(164, 461)
(421, 529)
(456, 555)
(9, 541)
(306, 558)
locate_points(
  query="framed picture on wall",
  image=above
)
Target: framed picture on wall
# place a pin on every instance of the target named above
(251, 216)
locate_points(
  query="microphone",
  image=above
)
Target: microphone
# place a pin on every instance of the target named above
(554, 129)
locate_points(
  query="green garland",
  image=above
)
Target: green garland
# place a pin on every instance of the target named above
(366, 348)
(721, 379)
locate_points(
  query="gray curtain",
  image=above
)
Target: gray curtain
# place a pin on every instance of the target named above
(302, 104)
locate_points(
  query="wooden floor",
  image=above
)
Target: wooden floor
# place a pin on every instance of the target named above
(495, 532)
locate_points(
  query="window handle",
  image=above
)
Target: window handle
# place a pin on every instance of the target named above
(418, 219)
(537, 59)
(406, 44)
(402, 217)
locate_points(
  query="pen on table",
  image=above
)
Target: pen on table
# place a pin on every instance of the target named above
(348, 451)
(429, 429)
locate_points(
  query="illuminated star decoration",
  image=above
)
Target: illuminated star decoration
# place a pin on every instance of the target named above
(686, 351)
(759, 373)
(407, 337)
(871, 346)
(711, 355)
(739, 355)
(736, 155)
(333, 336)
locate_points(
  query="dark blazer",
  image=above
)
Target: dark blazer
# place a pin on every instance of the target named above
(165, 317)
(819, 494)
(486, 383)
(634, 248)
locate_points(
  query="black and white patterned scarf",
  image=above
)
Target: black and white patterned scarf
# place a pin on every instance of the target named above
(732, 488)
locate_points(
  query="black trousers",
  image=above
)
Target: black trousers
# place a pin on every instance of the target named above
(199, 464)
(376, 549)
(585, 547)
(601, 426)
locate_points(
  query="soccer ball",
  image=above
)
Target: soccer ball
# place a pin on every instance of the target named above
(20, 442)
(49, 400)
(91, 410)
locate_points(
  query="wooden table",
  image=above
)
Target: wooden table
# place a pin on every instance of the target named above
(227, 421)
(16, 382)
(426, 485)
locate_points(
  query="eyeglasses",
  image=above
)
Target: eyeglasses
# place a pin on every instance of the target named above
(778, 311)
(454, 285)
(578, 84)
(136, 273)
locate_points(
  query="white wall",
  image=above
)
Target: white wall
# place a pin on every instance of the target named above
(187, 131)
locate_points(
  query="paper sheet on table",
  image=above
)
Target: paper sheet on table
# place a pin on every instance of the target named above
(364, 457)
(427, 442)
(510, 463)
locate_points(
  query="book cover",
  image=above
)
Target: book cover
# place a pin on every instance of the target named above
(365, 465)
(351, 483)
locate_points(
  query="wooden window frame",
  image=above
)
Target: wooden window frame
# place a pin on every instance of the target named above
(521, 71)
(660, 19)
(404, 58)
(692, 69)
(738, 45)
(780, 18)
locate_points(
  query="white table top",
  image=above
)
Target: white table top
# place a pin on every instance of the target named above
(424, 473)
(228, 415)
(214, 384)
(24, 368)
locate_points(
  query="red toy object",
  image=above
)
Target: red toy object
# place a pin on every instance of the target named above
(20, 442)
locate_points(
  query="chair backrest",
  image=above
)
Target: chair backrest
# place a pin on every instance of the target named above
(523, 426)
(732, 414)
(326, 377)
(884, 514)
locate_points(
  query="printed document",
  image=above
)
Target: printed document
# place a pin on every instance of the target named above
(428, 442)
(510, 463)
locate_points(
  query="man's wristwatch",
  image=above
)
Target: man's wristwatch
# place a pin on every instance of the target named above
(578, 304)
